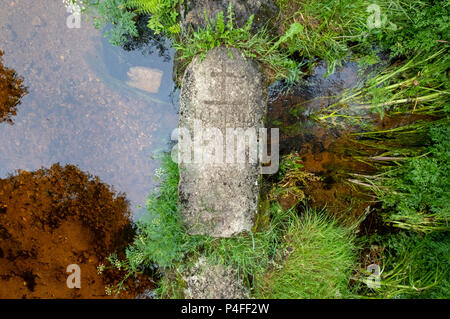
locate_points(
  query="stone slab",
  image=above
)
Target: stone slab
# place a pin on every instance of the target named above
(220, 198)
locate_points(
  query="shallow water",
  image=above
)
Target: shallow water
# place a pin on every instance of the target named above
(321, 149)
(81, 108)
(291, 110)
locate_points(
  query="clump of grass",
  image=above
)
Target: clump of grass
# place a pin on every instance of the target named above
(411, 156)
(292, 178)
(260, 46)
(319, 263)
(160, 236)
(163, 245)
(113, 12)
(416, 86)
(249, 254)
(414, 193)
(164, 18)
(331, 28)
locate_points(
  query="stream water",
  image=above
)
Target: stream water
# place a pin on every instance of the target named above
(86, 104)
(101, 108)
(321, 149)
(107, 111)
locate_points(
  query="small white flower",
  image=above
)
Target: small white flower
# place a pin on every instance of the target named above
(74, 7)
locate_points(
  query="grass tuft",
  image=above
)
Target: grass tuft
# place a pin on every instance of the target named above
(319, 261)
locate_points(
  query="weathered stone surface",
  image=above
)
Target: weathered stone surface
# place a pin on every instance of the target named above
(206, 281)
(220, 198)
(193, 11)
(147, 294)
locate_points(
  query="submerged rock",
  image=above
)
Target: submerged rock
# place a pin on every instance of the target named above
(223, 101)
(145, 79)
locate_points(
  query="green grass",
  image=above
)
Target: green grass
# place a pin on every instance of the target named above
(421, 25)
(320, 262)
(260, 46)
(414, 191)
(412, 266)
(162, 239)
(418, 86)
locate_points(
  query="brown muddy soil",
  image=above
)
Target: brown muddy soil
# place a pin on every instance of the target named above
(52, 218)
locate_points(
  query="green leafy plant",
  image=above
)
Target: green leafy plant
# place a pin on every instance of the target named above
(163, 14)
(259, 46)
(412, 157)
(418, 85)
(115, 13)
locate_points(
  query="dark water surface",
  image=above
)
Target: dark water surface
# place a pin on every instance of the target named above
(83, 106)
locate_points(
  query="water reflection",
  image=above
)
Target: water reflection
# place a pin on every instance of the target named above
(11, 92)
(83, 106)
(291, 110)
(320, 150)
(147, 41)
(54, 217)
